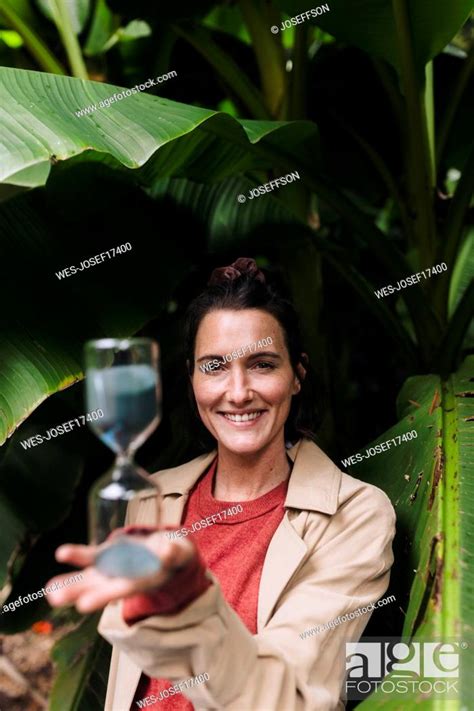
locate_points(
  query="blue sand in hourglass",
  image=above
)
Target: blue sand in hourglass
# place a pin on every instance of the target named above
(127, 396)
(127, 559)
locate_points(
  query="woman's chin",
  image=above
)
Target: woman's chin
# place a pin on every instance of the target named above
(243, 443)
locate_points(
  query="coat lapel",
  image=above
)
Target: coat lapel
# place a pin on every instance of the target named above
(284, 554)
(314, 486)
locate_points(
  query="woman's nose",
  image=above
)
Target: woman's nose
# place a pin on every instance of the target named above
(239, 389)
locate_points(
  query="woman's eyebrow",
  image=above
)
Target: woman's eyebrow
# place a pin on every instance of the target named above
(267, 354)
(208, 357)
(252, 354)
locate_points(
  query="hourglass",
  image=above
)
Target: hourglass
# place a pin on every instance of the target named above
(123, 384)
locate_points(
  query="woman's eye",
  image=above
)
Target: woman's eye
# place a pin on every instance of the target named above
(217, 367)
(264, 365)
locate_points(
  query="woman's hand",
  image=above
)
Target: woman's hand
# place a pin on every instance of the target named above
(96, 590)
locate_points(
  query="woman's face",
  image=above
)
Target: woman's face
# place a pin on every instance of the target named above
(244, 403)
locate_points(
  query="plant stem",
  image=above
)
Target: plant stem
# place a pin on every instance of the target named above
(450, 346)
(46, 60)
(420, 163)
(430, 120)
(70, 42)
(453, 231)
(458, 209)
(295, 108)
(298, 76)
(453, 104)
(269, 54)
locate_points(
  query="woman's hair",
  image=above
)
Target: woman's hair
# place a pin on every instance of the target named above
(243, 286)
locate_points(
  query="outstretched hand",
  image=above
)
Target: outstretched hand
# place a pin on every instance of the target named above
(95, 590)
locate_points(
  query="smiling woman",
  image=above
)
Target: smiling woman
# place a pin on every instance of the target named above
(305, 544)
(240, 307)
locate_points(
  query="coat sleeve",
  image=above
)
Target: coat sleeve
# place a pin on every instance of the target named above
(280, 667)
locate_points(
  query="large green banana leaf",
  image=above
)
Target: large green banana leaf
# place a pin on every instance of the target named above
(376, 25)
(430, 483)
(39, 126)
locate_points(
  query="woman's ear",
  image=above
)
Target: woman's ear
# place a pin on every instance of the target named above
(300, 375)
(300, 368)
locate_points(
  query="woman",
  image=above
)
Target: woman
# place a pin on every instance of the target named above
(273, 540)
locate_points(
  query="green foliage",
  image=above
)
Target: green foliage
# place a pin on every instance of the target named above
(82, 660)
(78, 11)
(430, 485)
(428, 26)
(372, 113)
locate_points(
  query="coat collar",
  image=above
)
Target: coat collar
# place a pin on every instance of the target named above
(314, 482)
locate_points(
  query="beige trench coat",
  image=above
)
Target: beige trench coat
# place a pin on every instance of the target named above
(330, 555)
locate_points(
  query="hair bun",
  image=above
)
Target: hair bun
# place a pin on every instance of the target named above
(244, 266)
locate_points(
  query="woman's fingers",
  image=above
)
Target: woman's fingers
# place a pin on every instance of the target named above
(111, 589)
(65, 594)
(95, 590)
(104, 591)
(81, 556)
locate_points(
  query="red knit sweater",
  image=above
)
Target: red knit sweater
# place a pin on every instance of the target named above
(232, 550)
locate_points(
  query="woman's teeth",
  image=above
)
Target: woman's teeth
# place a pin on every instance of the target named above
(243, 418)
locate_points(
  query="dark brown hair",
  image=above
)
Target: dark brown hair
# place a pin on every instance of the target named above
(243, 286)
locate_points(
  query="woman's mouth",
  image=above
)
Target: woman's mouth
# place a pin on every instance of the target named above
(244, 416)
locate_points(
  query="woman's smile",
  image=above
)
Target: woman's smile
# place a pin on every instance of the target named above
(247, 418)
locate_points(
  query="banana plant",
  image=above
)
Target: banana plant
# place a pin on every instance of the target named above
(429, 480)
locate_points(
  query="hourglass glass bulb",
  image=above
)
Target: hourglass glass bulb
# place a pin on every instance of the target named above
(122, 379)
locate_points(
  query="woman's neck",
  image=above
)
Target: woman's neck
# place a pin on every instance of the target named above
(245, 477)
